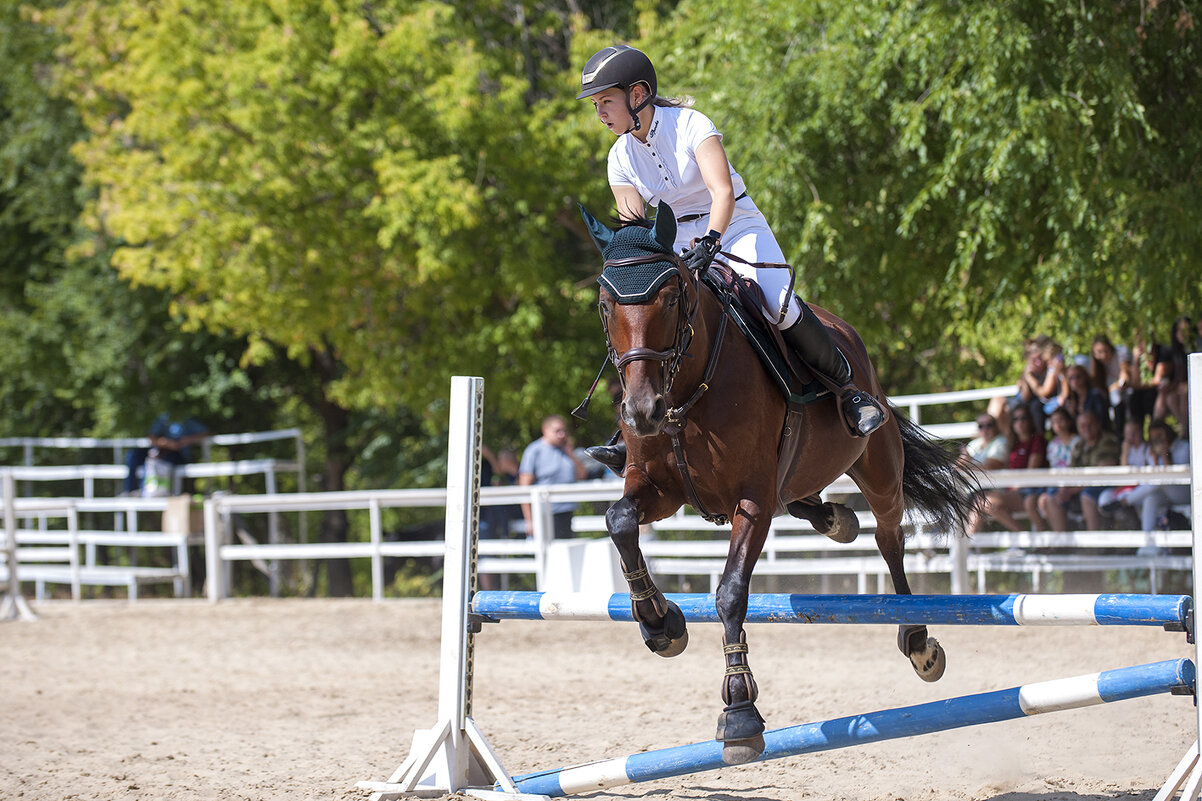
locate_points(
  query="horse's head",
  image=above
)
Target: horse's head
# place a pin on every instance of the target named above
(647, 304)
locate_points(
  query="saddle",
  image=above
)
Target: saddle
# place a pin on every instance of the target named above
(748, 310)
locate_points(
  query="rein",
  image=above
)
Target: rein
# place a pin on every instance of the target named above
(670, 360)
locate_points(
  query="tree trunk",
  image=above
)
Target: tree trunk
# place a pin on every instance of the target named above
(335, 421)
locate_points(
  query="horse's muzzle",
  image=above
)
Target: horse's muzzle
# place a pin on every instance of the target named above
(644, 414)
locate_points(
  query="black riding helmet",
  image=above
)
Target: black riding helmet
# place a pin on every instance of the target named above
(619, 66)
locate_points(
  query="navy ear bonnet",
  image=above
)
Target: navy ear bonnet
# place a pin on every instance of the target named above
(635, 283)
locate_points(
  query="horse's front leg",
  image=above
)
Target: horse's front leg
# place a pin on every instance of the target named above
(660, 621)
(740, 726)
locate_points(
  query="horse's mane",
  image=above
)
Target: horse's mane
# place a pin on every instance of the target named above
(642, 221)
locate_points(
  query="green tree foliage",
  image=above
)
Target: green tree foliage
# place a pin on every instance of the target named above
(371, 197)
(954, 177)
(365, 189)
(368, 191)
(84, 354)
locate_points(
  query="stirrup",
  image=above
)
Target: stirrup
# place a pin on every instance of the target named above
(861, 412)
(612, 456)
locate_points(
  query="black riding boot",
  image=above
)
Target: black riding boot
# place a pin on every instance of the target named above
(612, 456)
(813, 344)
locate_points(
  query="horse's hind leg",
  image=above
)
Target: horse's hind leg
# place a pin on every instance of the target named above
(878, 475)
(660, 621)
(740, 726)
(925, 653)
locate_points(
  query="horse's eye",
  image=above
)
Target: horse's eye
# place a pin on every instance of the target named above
(603, 307)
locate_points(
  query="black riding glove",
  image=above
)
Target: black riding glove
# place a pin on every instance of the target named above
(698, 257)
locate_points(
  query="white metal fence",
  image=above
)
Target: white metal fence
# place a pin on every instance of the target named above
(792, 548)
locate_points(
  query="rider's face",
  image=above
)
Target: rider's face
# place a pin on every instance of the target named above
(612, 110)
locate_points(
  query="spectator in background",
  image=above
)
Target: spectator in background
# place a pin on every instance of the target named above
(1153, 500)
(551, 459)
(1096, 448)
(1141, 398)
(989, 450)
(1028, 449)
(1171, 385)
(498, 470)
(1039, 384)
(170, 445)
(1078, 395)
(1110, 371)
(1059, 454)
(1134, 453)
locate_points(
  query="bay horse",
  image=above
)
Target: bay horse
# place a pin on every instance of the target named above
(703, 421)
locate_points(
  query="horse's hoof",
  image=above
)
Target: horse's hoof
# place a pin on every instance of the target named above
(845, 526)
(671, 637)
(929, 663)
(741, 732)
(739, 752)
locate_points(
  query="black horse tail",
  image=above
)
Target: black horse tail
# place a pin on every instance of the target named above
(933, 483)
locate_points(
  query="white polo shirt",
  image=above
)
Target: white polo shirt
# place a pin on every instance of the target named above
(665, 166)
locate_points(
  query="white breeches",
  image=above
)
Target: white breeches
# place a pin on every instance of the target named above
(749, 237)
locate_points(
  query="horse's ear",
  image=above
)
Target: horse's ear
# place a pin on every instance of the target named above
(598, 230)
(664, 231)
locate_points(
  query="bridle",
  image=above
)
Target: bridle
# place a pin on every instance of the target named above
(674, 420)
(670, 359)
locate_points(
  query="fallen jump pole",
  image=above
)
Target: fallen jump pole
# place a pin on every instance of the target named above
(889, 724)
(1171, 611)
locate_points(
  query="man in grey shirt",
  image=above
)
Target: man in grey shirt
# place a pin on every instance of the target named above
(550, 459)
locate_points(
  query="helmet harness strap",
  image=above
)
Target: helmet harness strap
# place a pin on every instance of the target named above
(634, 112)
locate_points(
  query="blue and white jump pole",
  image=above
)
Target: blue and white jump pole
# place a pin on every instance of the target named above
(955, 610)
(888, 724)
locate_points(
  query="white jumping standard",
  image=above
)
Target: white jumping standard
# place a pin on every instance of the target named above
(454, 756)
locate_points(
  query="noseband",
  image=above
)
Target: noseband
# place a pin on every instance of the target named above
(670, 359)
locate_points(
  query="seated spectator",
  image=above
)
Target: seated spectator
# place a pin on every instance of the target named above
(1110, 371)
(1028, 449)
(1153, 500)
(1134, 453)
(989, 450)
(170, 443)
(1078, 395)
(1097, 447)
(1039, 384)
(1059, 454)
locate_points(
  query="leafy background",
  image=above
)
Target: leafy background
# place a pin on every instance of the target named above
(275, 213)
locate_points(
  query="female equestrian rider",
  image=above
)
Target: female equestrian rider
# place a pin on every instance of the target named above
(666, 151)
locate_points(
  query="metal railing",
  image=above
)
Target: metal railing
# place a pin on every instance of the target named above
(790, 543)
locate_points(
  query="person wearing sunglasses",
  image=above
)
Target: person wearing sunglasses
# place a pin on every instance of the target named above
(990, 449)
